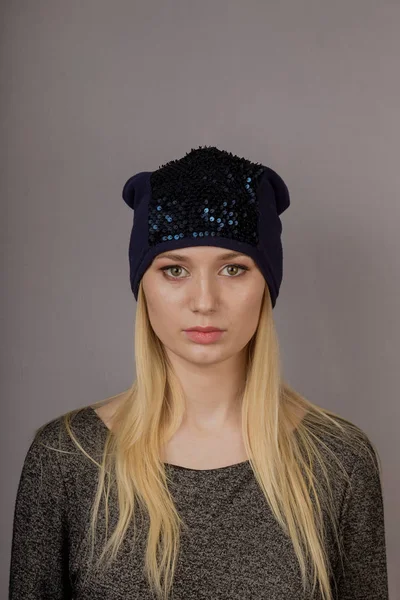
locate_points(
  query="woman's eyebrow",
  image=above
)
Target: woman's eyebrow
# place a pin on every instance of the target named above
(182, 258)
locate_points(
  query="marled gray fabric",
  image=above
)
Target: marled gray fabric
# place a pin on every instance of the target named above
(233, 550)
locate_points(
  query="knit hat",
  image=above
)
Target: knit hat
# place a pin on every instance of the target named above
(210, 197)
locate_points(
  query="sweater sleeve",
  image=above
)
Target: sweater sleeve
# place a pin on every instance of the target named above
(39, 553)
(362, 527)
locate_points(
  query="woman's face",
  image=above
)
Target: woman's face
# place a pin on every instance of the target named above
(201, 286)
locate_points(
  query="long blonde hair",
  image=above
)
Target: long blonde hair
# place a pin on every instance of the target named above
(151, 411)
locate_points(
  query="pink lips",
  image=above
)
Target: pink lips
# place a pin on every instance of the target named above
(204, 337)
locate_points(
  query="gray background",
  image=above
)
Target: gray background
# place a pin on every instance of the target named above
(95, 91)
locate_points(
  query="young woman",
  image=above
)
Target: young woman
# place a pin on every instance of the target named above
(210, 477)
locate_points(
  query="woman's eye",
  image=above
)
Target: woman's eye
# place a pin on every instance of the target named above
(165, 269)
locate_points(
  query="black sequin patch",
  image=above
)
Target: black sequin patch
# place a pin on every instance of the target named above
(208, 192)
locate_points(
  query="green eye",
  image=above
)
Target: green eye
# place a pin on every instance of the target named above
(165, 269)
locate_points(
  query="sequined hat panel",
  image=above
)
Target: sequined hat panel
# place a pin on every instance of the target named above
(207, 193)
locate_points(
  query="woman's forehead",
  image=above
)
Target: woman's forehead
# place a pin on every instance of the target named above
(195, 252)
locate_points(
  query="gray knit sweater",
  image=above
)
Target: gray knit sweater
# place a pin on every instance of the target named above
(235, 548)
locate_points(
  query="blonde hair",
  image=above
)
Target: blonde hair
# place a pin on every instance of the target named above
(151, 411)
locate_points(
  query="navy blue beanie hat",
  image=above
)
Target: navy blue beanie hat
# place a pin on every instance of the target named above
(209, 197)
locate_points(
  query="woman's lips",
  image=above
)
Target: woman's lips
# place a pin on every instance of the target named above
(204, 337)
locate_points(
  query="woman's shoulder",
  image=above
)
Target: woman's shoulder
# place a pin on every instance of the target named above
(344, 443)
(52, 454)
(70, 437)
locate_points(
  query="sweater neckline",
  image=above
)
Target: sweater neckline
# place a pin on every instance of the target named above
(92, 413)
